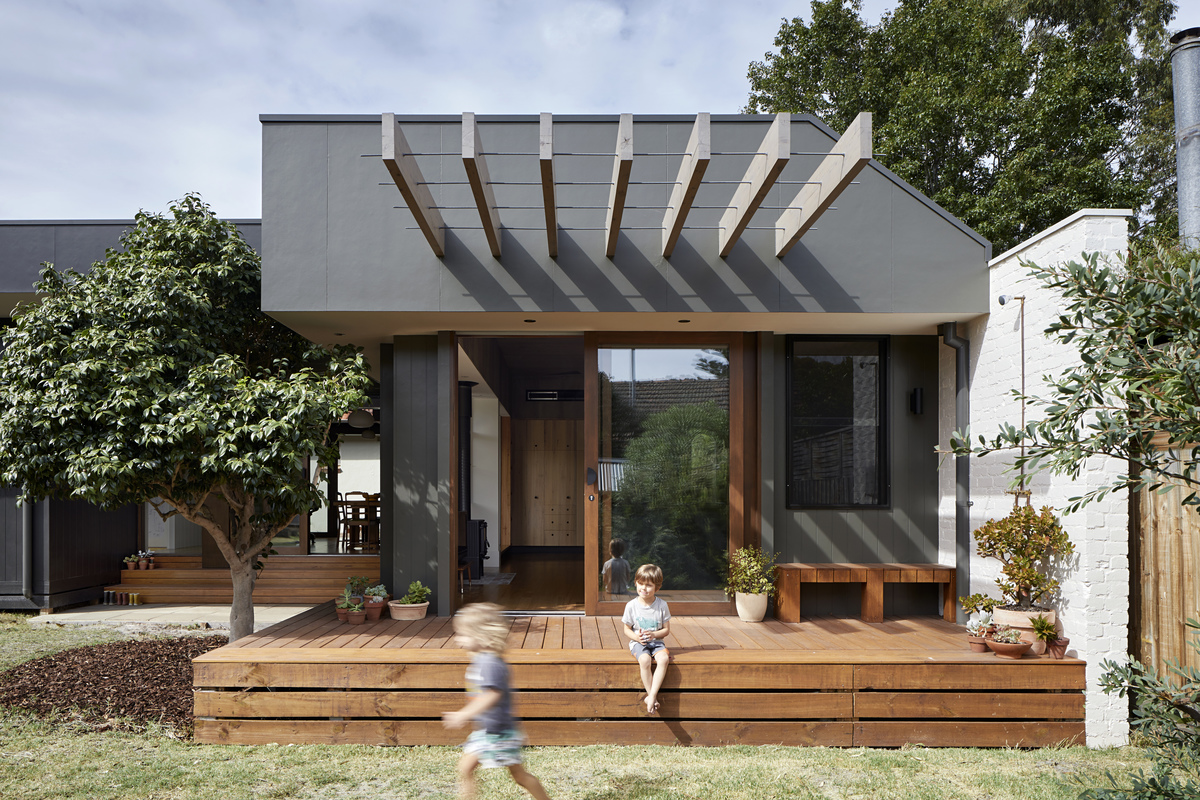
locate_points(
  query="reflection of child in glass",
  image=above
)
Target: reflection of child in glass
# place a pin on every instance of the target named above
(496, 741)
(616, 569)
(647, 622)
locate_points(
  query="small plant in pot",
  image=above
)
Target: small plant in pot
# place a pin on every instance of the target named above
(131, 562)
(1047, 631)
(343, 603)
(356, 614)
(357, 585)
(1027, 543)
(374, 599)
(751, 582)
(978, 631)
(412, 605)
(1006, 642)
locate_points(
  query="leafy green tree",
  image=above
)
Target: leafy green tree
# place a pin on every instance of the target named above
(1011, 114)
(155, 378)
(1135, 392)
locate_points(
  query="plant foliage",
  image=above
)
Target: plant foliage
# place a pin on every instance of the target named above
(154, 377)
(1166, 712)
(1134, 395)
(751, 571)
(1010, 114)
(1026, 542)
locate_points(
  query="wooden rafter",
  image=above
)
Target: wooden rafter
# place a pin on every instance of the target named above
(622, 166)
(846, 159)
(773, 155)
(546, 163)
(687, 182)
(481, 186)
(399, 160)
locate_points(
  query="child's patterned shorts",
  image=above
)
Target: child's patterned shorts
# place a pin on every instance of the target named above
(496, 749)
(652, 647)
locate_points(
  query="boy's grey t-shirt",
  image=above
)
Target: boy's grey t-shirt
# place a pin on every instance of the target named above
(647, 618)
(618, 575)
(489, 671)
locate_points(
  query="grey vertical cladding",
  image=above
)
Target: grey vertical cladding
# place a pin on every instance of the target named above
(905, 531)
(10, 542)
(416, 450)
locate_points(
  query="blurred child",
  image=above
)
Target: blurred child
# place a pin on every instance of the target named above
(496, 741)
(616, 569)
(647, 622)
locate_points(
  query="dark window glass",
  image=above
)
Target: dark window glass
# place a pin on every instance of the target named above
(835, 422)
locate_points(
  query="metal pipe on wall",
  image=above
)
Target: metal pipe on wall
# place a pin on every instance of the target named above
(962, 464)
(1185, 76)
(27, 550)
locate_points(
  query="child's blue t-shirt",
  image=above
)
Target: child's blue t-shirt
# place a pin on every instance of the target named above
(489, 671)
(647, 618)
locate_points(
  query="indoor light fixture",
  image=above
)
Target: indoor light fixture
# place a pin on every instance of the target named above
(360, 418)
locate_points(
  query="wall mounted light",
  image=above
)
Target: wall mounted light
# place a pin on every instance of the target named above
(916, 401)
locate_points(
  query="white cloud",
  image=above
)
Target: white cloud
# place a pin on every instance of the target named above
(124, 104)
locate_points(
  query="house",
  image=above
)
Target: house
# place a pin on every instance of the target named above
(687, 332)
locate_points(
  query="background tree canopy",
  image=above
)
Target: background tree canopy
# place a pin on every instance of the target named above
(155, 377)
(1010, 114)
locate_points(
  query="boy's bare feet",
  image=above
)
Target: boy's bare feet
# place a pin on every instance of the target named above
(651, 705)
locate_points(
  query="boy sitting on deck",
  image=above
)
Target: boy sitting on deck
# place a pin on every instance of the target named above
(647, 622)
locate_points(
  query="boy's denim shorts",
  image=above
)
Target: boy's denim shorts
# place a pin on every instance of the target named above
(637, 648)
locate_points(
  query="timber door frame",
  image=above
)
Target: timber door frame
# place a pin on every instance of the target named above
(745, 510)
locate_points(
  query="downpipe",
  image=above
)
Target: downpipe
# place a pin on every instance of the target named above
(962, 464)
(27, 551)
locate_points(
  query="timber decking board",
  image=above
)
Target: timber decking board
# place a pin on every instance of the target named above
(827, 681)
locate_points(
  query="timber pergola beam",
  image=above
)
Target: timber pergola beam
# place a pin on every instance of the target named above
(846, 159)
(687, 182)
(622, 166)
(768, 162)
(481, 185)
(400, 162)
(546, 165)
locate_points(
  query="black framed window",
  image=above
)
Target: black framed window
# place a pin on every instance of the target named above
(836, 425)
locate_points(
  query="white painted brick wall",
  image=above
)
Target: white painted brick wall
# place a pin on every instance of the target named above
(1094, 606)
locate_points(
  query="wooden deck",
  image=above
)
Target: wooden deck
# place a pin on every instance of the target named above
(821, 681)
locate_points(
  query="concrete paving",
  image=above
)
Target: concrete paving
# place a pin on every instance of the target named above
(166, 616)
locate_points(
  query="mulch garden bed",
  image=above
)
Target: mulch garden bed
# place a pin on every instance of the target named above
(111, 685)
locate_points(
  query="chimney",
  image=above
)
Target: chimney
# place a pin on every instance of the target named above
(1185, 72)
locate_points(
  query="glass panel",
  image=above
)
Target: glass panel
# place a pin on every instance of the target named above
(664, 466)
(835, 424)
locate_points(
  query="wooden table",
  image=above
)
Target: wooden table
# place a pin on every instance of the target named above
(871, 575)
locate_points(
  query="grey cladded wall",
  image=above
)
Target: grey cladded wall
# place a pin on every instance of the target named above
(338, 236)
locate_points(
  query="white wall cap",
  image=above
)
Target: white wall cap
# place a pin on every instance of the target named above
(1055, 228)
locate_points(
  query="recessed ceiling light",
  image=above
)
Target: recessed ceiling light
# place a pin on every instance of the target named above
(685, 320)
(531, 320)
(339, 334)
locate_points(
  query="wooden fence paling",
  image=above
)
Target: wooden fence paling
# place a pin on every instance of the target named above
(1167, 552)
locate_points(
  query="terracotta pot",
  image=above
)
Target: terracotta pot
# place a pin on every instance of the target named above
(1058, 648)
(374, 610)
(1023, 621)
(342, 612)
(143, 563)
(1008, 649)
(131, 565)
(356, 617)
(978, 644)
(750, 607)
(400, 610)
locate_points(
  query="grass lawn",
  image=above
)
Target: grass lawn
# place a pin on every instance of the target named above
(61, 758)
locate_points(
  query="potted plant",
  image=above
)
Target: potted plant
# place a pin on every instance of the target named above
(1006, 642)
(356, 585)
(413, 605)
(374, 599)
(1027, 543)
(143, 560)
(978, 631)
(1047, 635)
(751, 582)
(356, 614)
(343, 604)
(131, 562)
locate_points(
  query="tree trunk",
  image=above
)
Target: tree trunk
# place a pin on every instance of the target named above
(241, 614)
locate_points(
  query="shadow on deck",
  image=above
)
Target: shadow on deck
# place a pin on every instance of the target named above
(821, 681)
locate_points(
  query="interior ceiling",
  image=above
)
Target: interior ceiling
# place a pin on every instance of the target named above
(542, 356)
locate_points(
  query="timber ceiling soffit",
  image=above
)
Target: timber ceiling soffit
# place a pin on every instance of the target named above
(837, 170)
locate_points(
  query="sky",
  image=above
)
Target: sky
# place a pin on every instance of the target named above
(111, 106)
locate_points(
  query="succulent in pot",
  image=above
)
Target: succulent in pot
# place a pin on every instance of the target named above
(1047, 631)
(412, 605)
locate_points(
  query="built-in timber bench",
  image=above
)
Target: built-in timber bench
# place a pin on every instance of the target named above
(790, 576)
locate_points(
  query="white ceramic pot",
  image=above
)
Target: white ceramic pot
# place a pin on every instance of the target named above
(400, 610)
(751, 607)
